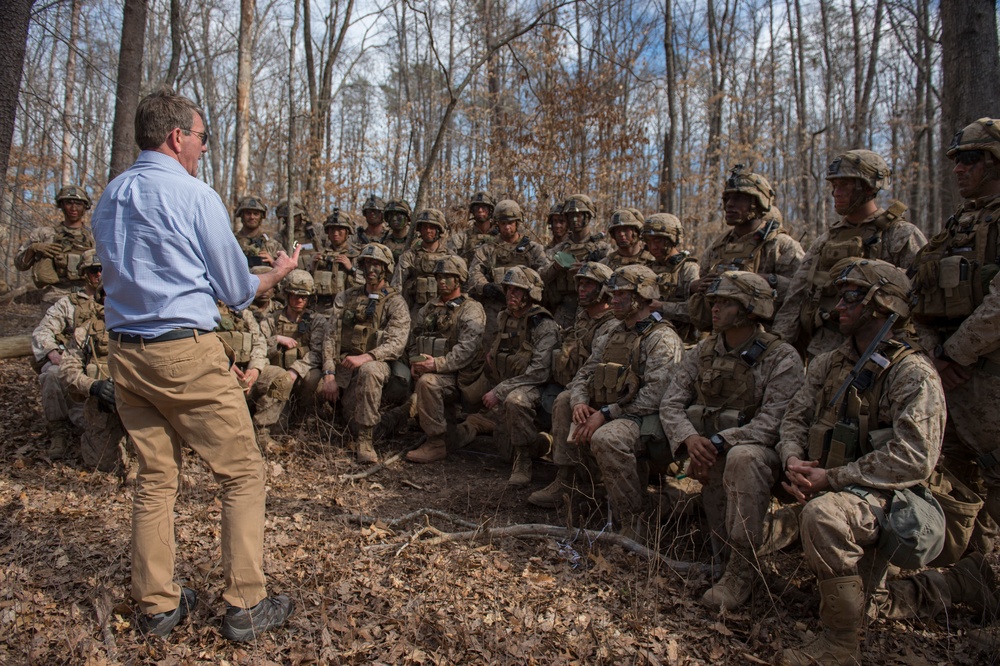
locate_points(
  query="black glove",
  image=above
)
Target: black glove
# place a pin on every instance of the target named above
(493, 291)
(104, 391)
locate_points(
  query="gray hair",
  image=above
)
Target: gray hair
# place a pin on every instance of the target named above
(159, 113)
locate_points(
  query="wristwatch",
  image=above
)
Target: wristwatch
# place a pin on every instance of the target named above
(329, 373)
(718, 443)
(606, 412)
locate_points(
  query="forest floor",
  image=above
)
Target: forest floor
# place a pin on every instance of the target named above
(374, 572)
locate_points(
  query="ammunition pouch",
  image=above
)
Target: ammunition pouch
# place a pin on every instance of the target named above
(511, 364)
(709, 421)
(564, 366)
(238, 345)
(43, 273)
(426, 289)
(362, 339)
(947, 288)
(431, 346)
(961, 506)
(609, 384)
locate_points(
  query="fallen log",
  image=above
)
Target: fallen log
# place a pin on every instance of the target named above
(15, 346)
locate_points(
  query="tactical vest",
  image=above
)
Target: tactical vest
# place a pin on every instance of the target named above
(329, 276)
(952, 273)
(616, 260)
(437, 335)
(589, 250)
(853, 427)
(300, 331)
(668, 274)
(864, 242)
(62, 269)
(506, 257)
(396, 245)
(744, 253)
(512, 347)
(252, 247)
(363, 320)
(420, 286)
(235, 335)
(577, 344)
(725, 392)
(618, 377)
(363, 238)
(95, 349)
(85, 308)
(473, 241)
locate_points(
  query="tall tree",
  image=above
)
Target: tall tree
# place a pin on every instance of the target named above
(127, 91)
(241, 157)
(69, 98)
(970, 68)
(17, 15)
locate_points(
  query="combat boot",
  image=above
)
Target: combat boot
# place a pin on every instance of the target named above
(365, 448)
(971, 581)
(432, 450)
(551, 496)
(464, 434)
(841, 608)
(520, 475)
(59, 433)
(736, 584)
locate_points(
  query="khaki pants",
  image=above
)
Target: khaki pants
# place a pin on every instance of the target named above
(181, 391)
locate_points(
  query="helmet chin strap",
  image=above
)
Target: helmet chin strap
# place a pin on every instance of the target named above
(859, 199)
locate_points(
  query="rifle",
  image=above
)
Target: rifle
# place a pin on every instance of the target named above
(856, 371)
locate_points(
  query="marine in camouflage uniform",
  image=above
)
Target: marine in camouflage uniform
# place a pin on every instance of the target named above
(958, 299)
(493, 260)
(558, 228)
(567, 257)
(264, 304)
(466, 242)
(305, 232)
(365, 332)
(414, 274)
(446, 355)
(625, 229)
(675, 271)
(757, 242)
(397, 215)
(294, 338)
(618, 387)
(594, 321)
(374, 230)
(518, 366)
(808, 316)
(52, 254)
(256, 245)
(723, 408)
(48, 344)
(844, 456)
(103, 442)
(333, 267)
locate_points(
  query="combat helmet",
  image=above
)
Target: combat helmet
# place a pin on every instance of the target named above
(525, 278)
(592, 270)
(73, 193)
(251, 203)
(299, 282)
(452, 265)
(373, 203)
(555, 210)
(339, 218)
(748, 289)
(433, 217)
(398, 206)
(635, 277)
(507, 211)
(379, 253)
(89, 259)
(297, 209)
(578, 203)
(744, 181)
(984, 134)
(664, 225)
(483, 197)
(624, 217)
(864, 165)
(886, 285)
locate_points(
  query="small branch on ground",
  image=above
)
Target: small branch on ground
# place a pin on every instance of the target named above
(378, 467)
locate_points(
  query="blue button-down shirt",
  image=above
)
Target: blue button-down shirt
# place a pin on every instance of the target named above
(167, 250)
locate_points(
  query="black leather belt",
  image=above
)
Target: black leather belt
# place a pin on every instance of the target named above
(176, 334)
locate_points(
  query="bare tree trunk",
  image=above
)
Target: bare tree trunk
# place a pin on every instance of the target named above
(864, 81)
(175, 43)
(670, 134)
(970, 67)
(69, 98)
(17, 16)
(123, 147)
(241, 161)
(290, 226)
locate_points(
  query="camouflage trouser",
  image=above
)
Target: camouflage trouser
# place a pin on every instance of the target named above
(102, 444)
(564, 454)
(269, 394)
(564, 312)
(738, 493)
(361, 392)
(492, 308)
(56, 403)
(432, 392)
(616, 447)
(515, 419)
(973, 421)
(839, 534)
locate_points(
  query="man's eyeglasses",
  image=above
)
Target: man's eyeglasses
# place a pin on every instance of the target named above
(969, 157)
(201, 135)
(853, 296)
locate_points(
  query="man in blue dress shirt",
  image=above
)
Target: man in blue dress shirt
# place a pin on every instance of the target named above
(169, 253)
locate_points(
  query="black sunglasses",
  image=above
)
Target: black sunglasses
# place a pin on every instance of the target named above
(201, 135)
